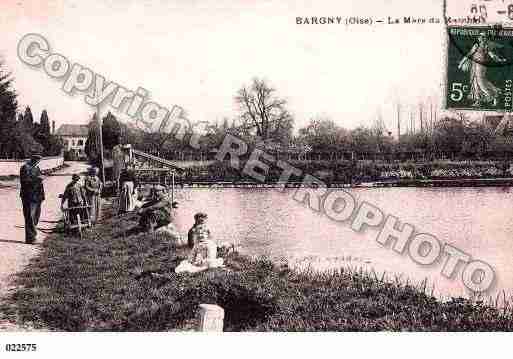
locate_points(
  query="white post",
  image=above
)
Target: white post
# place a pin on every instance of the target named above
(211, 318)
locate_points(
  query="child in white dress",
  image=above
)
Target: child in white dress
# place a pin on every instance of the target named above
(204, 251)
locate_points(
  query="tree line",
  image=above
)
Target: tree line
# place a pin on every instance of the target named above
(20, 135)
(264, 120)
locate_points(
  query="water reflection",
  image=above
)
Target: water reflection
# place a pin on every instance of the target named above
(269, 222)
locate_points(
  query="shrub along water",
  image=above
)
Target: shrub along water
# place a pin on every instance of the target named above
(347, 172)
(106, 283)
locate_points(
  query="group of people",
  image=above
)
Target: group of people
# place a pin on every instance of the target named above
(159, 212)
(84, 200)
(76, 196)
(155, 213)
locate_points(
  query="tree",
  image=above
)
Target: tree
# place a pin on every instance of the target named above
(363, 140)
(53, 146)
(478, 138)
(92, 145)
(264, 112)
(23, 137)
(41, 130)
(28, 119)
(322, 134)
(449, 135)
(378, 131)
(216, 133)
(111, 131)
(111, 136)
(8, 108)
(24, 143)
(44, 122)
(159, 137)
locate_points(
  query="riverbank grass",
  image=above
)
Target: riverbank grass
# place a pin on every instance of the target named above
(118, 279)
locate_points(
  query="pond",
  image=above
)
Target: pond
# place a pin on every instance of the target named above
(263, 221)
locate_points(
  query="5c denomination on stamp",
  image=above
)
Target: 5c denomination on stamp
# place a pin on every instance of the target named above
(479, 68)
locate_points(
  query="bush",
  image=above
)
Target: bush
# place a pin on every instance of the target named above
(347, 172)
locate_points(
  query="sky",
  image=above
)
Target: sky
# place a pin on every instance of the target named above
(197, 54)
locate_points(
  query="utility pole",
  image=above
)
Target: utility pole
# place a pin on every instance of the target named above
(412, 125)
(421, 120)
(431, 117)
(398, 122)
(100, 122)
(436, 119)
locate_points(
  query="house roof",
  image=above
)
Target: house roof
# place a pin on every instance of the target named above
(73, 130)
(500, 124)
(493, 121)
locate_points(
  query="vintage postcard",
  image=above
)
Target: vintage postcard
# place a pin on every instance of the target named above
(171, 168)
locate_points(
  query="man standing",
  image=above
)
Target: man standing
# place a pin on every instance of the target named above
(32, 193)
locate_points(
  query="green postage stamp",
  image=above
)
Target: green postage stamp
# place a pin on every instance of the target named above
(480, 69)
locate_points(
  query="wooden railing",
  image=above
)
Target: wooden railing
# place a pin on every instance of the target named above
(156, 159)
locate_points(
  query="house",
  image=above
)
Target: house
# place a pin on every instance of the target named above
(500, 124)
(74, 138)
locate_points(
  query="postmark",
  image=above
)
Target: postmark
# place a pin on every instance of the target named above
(480, 68)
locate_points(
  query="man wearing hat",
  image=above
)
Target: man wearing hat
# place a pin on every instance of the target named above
(93, 189)
(158, 212)
(32, 194)
(74, 194)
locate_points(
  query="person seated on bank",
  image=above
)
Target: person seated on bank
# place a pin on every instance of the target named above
(75, 196)
(199, 228)
(204, 250)
(158, 212)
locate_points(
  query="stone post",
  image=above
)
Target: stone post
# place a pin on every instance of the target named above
(211, 318)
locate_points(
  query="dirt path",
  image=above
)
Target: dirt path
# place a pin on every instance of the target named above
(14, 253)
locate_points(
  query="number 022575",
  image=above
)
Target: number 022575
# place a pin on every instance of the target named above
(20, 347)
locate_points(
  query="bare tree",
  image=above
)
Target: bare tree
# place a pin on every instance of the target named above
(462, 117)
(263, 111)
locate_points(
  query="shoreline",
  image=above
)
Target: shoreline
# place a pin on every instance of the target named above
(463, 182)
(118, 279)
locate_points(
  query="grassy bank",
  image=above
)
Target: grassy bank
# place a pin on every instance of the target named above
(105, 283)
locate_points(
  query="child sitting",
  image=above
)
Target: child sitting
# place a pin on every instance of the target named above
(198, 229)
(204, 248)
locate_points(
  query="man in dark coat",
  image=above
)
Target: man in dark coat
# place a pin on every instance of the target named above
(75, 195)
(158, 212)
(32, 194)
